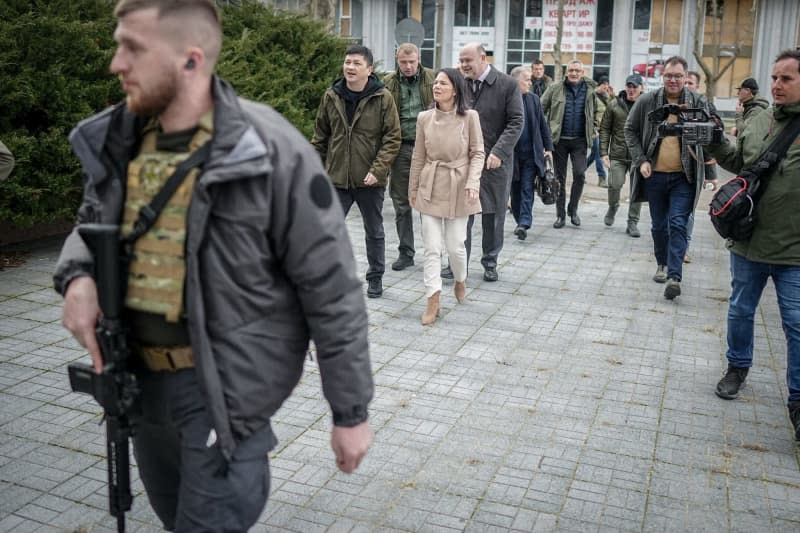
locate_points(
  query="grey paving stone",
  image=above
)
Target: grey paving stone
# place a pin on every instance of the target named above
(568, 396)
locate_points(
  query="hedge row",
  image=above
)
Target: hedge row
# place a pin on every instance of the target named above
(54, 59)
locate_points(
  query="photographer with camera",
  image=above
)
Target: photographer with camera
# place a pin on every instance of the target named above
(773, 249)
(663, 137)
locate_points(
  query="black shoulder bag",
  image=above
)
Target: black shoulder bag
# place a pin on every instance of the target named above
(733, 207)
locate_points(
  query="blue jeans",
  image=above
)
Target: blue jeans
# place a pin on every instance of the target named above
(748, 279)
(522, 195)
(671, 199)
(594, 155)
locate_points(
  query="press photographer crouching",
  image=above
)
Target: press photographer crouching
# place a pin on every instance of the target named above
(773, 248)
(665, 132)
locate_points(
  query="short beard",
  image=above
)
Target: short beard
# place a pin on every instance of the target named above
(157, 99)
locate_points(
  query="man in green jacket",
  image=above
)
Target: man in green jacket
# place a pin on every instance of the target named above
(749, 104)
(573, 112)
(774, 248)
(614, 151)
(357, 136)
(411, 86)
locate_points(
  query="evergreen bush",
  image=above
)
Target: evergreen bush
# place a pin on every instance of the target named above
(54, 71)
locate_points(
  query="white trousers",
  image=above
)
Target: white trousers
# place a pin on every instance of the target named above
(439, 233)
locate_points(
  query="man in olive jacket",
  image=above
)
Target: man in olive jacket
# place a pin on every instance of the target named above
(573, 112)
(773, 251)
(749, 105)
(357, 136)
(614, 151)
(496, 98)
(411, 86)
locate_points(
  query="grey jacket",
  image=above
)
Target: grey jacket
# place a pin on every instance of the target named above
(499, 105)
(268, 263)
(641, 136)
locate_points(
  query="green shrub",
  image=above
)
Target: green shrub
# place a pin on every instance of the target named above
(285, 60)
(54, 57)
(54, 61)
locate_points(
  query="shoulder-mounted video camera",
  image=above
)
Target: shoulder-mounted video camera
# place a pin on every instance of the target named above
(694, 126)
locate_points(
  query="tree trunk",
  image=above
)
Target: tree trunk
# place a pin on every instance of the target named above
(557, 44)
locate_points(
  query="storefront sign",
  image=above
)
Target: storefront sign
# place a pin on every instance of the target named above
(578, 28)
(463, 35)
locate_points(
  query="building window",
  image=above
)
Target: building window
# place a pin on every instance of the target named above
(290, 5)
(350, 19)
(641, 15)
(525, 25)
(601, 61)
(524, 42)
(423, 11)
(474, 13)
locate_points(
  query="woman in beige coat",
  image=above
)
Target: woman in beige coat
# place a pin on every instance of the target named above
(444, 182)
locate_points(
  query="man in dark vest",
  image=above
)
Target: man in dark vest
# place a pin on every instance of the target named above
(573, 113)
(496, 98)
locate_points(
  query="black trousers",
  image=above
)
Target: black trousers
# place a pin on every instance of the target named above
(189, 484)
(370, 202)
(491, 242)
(576, 150)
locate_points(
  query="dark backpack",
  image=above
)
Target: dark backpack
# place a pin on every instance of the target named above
(733, 207)
(547, 186)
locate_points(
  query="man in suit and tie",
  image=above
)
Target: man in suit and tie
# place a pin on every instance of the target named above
(496, 98)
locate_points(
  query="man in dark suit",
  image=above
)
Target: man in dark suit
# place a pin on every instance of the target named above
(496, 98)
(534, 143)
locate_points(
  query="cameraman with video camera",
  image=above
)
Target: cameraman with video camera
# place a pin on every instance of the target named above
(773, 249)
(668, 167)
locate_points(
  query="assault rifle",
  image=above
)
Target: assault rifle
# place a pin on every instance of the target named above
(115, 389)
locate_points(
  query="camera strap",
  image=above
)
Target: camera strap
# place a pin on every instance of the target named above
(149, 212)
(758, 173)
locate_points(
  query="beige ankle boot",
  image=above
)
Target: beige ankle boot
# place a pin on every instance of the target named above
(460, 291)
(432, 310)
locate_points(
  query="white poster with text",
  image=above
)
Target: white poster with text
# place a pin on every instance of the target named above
(579, 22)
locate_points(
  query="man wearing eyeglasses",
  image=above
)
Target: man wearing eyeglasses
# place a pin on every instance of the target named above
(668, 174)
(573, 113)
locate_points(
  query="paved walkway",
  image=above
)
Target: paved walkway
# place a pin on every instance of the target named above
(568, 396)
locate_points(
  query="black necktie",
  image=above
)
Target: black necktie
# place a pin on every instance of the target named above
(476, 86)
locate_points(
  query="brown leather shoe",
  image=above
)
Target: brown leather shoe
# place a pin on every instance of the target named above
(432, 310)
(460, 290)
